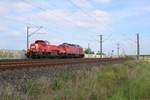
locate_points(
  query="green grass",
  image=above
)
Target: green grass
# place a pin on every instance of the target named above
(128, 81)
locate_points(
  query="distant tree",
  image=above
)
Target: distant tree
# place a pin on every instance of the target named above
(99, 53)
(88, 51)
(92, 52)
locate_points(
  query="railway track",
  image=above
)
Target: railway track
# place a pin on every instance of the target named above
(32, 63)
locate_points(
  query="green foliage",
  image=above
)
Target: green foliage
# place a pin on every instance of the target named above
(57, 84)
(32, 89)
(89, 51)
(10, 98)
(99, 53)
(67, 76)
(129, 81)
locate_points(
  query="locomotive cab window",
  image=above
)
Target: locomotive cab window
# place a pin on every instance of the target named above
(40, 41)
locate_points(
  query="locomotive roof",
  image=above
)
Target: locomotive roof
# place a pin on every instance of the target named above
(63, 44)
(73, 45)
(41, 41)
(37, 41)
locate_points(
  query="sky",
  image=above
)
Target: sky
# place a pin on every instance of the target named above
(76, 21)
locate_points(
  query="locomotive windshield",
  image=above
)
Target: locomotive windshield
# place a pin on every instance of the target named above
(40, 41)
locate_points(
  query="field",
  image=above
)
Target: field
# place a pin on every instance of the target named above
(127, 81)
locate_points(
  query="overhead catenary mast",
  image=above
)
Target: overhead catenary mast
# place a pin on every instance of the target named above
(118, 49)
(138, 46)
(101, 45)
(30, 34)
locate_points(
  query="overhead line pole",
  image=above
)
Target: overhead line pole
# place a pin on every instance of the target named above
(28, 37)
(101, 45)
(118, 49)
(138, 46)
(88, 50)
(30, 34)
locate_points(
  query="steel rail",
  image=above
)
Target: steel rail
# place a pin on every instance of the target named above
(20, 64)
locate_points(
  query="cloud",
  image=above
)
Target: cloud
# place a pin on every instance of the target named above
(17, 15)
(81, 3)
(78, 20)
(14, 6)
(98, 21)
(88, 4)
(24, 13)
(138, 10)
(103, 1)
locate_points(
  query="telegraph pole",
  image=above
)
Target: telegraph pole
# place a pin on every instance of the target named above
(88, 49)
(88, 45)
(118, 49)
(101, 45)
(138, 46)
(28, 37)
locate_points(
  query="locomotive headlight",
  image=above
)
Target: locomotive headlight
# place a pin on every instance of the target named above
(36, 46)
(32, 47)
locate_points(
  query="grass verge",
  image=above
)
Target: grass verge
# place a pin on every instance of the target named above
(127, 81)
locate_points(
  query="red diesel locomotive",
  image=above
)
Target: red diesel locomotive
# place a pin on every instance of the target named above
(42, 49)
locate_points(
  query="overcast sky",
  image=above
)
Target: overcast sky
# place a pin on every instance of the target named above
(76, 21)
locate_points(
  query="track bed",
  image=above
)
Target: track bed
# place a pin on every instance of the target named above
(33, 63)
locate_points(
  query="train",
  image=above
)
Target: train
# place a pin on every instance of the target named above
(43, 49)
